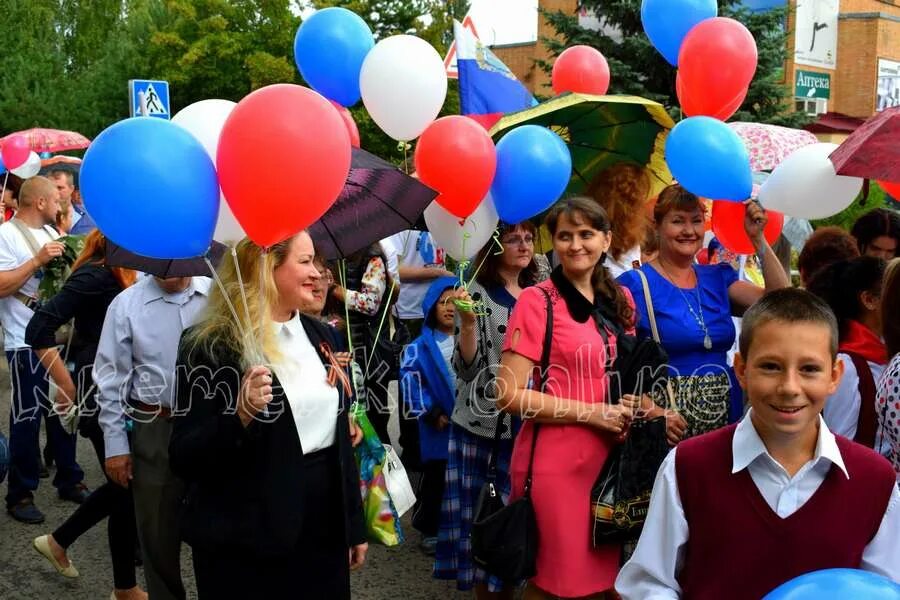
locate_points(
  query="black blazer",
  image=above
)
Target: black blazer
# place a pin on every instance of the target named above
(243, 484)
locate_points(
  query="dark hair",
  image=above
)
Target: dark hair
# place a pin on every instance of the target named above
(489, 259)
(890, 300)
(840, 285)
(876, 223)
(602, 281)
(675, 197)
(825, 246)
(788, 305)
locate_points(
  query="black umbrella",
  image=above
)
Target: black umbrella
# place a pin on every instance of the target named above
(117, 256)
(377, 201)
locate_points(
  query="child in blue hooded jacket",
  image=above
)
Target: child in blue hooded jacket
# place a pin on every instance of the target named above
(428, 384)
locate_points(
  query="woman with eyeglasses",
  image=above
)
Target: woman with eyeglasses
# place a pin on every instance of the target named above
(476, 422)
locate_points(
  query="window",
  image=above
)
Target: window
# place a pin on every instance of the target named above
(812, 106)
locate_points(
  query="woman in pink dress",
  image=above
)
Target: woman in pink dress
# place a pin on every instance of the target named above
(578, 427)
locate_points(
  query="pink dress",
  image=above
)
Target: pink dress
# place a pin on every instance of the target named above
(568, 457)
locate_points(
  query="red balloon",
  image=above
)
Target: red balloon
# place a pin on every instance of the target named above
(456, 157)
(690, 108)
(581, 69)
(15, 151)
(352, 129)
(716, 63)
(728, 226)
(892, 188)
(271, 201)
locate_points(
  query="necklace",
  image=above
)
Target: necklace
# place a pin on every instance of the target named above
(707, 341)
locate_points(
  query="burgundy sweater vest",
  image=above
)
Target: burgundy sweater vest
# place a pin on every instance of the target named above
(740, 548)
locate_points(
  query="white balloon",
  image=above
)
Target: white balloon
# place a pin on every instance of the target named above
(806, 186)
(29, 168)
(204, 120)
(449, 231)
(403, 83)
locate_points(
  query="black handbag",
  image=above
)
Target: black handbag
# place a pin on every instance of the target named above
(504, 538)
(620, 497)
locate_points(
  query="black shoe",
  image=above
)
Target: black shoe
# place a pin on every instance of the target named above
(77, 494)
(26, 512)
(43, 472)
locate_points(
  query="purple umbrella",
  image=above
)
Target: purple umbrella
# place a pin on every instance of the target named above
(117, 256)
(377, 201)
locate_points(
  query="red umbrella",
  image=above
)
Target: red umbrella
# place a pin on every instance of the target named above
(871, 151)
(52, 140)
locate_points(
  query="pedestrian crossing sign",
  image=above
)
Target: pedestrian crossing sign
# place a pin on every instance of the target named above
(153, 94)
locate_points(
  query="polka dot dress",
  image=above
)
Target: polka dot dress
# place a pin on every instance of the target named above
(888, 406)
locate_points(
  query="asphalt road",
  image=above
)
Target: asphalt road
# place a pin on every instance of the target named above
(398, 572)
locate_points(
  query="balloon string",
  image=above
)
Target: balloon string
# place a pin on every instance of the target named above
(5, 178)
(464, 264)
(384, 306)
(342, 277)
(248, 333)
(222, 289)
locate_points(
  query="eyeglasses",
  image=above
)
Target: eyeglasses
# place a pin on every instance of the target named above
(518, 240)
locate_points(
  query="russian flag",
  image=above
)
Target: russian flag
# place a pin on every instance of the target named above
(487, 88)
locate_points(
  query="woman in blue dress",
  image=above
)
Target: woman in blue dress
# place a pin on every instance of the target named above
(693, 305)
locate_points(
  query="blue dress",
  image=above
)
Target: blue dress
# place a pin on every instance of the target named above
(705, 387)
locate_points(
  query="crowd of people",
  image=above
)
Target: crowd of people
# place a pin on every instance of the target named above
(219, 407)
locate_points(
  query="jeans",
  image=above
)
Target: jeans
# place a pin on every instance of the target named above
(30, 388)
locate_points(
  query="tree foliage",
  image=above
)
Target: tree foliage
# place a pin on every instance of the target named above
(66, 63)
(638, 69)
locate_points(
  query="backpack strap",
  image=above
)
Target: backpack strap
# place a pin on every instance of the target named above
(866, 425)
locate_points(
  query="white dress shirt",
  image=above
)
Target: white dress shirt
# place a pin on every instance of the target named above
(653, 569)
(314, 403)
(138, 349)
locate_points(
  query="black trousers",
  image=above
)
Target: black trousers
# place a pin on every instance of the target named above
(426, 515)
(318, 568)
(109, 500)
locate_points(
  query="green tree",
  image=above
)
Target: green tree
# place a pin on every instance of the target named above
(638, 69)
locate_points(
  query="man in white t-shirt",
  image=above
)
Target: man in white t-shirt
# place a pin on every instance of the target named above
(414, 261)
(27, 244)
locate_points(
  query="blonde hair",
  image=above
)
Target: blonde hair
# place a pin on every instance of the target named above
(220, 329)
(622, 190)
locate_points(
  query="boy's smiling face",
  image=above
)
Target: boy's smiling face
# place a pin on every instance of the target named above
(787, 374)
(445, 310)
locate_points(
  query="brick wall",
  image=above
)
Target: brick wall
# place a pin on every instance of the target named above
(520, 57)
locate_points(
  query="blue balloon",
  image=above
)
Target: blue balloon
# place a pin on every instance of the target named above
(533, 170)
(709, 159)
(329, 50)
(151, 188)
(834, 584)
(46, 154)
(2, 166)
(666, 22)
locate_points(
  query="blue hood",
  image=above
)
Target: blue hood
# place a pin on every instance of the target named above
(434, 294)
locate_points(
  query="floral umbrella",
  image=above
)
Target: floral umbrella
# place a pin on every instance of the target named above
(52, 140)
(768, 145)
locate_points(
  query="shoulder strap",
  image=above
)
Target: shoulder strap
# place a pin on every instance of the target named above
(866, 425)
(651, 315)
(30, 241)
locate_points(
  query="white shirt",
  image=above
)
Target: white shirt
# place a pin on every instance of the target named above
(138, 349)
(15, 252)
(411, 249)
(625, 262)
(653, 569)
(842, 407)
(314, 403)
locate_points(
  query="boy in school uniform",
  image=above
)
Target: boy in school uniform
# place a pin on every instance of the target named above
(739, 511)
